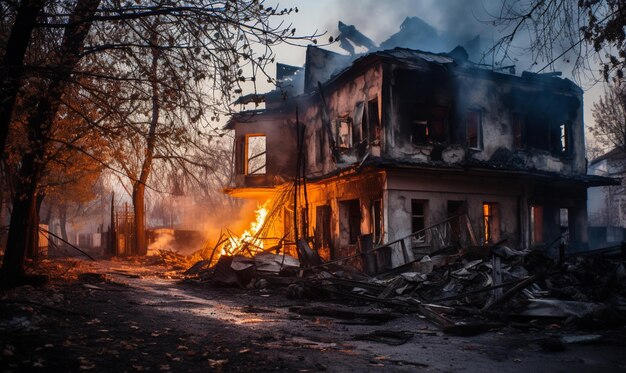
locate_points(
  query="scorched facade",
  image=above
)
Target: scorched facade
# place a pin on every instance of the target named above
(414, 152)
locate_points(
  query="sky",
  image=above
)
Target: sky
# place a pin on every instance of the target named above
(379, 19)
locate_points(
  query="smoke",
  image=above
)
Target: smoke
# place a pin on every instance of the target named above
(381, 19)
(185, 223)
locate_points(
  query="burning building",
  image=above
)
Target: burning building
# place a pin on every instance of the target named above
(401, 152)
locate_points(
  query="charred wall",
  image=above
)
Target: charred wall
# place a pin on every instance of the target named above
(347, 101)
(340, 194)
(280, 135)
(451, 114)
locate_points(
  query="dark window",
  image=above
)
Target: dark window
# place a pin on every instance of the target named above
(428, 124)
(373, 120)
(355, 221)
(420, 131)
(455, 210)
(349, 222)
(519, 129)
(418, 219)
(474, 130)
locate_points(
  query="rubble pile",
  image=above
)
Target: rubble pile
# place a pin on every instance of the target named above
(464, 292)
(239, 270)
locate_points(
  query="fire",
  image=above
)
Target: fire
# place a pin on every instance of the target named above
(250, 237)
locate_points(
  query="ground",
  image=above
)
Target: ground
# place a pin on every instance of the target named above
(138, 319)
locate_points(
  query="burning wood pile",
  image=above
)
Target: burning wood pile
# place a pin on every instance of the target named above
(234, 258)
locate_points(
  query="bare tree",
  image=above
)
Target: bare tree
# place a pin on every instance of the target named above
(13, 59)
(563, 30)
(99, 51)
(610, 117)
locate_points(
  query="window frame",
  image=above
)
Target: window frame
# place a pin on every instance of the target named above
(479, 128)
(419, 239)
(519, 131)
(491, 222)
(247, 158)
(338, 125)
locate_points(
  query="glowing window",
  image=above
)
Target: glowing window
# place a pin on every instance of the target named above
(490, 223)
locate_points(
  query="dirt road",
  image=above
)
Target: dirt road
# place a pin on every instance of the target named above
(138, 321)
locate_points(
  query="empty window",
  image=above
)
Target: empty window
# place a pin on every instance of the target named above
(359, 125)
(564, 132)
(536, 224)
(519, 128)
(373, 121)
(255, 154)
(560, 138)
(349, 221)
(429, 125)
(344, 133)
(418, 219)
(491, 224)
(474, 130)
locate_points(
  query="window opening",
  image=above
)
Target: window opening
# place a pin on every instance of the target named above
(256, 155)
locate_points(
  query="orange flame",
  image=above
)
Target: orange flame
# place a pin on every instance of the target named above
(249, 236)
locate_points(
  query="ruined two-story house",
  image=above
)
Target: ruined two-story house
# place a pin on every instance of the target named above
(413, 151)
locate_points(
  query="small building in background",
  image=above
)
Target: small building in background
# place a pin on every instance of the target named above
(607, 204)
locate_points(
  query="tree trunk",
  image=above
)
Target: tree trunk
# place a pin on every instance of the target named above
(38, 128)
(32, 242)
(139, 186)
(141, 247)
(24, 206)
(13, 61)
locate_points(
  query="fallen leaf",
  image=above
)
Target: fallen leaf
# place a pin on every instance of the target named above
(217, 363)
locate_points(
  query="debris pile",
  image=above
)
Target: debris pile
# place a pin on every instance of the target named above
(464, 292)
(243, 271)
